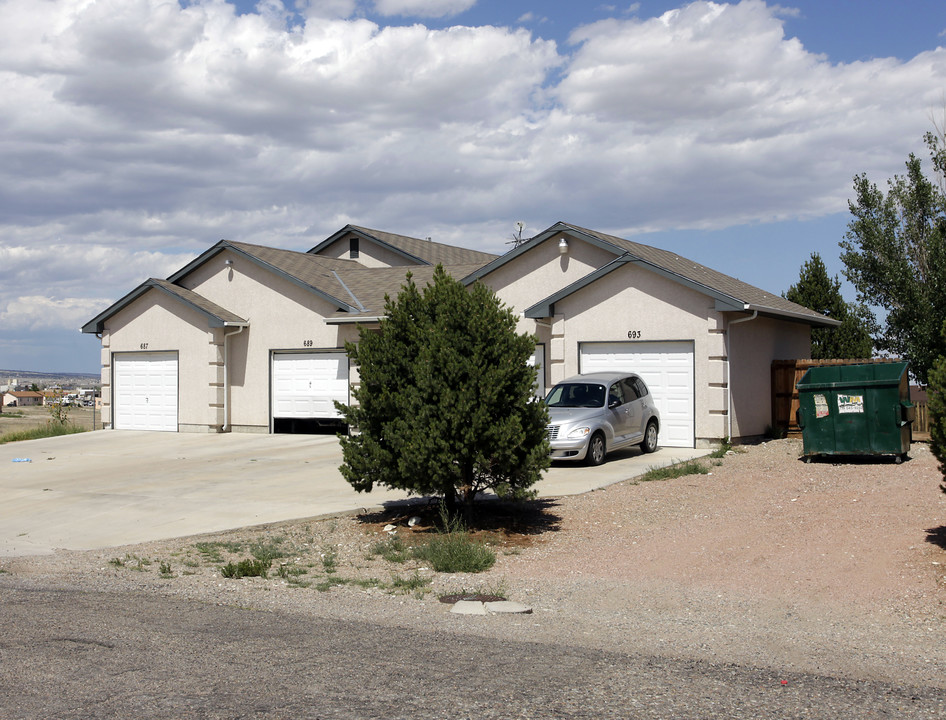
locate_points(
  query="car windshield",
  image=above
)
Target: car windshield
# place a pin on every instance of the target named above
(576, 395)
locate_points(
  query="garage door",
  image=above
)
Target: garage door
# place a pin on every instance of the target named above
(666, 367)
(145, 391)
(306, 384)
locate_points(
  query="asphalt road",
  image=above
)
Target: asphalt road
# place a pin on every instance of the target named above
(68, 654)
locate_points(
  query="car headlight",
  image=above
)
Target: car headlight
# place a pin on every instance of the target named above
(579, 432)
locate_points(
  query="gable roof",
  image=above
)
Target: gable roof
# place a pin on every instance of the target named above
(216, 315)
(729, 293)
(415, 250)
(309, 272)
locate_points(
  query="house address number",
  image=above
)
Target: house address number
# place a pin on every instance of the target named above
(144, 346)
(634, 334)
(306, 343)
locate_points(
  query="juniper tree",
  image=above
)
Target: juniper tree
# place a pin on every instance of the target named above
(445, 404)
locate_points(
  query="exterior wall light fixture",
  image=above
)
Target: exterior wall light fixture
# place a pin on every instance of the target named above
(563, 246)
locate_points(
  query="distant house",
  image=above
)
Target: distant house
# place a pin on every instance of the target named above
(22, 398)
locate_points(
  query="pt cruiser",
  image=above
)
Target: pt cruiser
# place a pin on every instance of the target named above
(591, 415)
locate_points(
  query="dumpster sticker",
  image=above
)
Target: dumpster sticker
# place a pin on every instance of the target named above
(850, 403)
(821, 406)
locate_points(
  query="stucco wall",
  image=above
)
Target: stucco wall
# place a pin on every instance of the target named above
(753, 345)
(156, 322)
(543, 270)
(282, 316)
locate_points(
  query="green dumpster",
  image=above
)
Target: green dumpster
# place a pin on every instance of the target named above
(856, 410)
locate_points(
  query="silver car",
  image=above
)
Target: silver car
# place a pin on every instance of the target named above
(591, 415)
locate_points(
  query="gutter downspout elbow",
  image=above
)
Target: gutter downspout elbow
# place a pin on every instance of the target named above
(226, 377)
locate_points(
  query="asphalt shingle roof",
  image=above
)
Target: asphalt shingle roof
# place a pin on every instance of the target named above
(713, 279)
(429, 251)
(370, 285)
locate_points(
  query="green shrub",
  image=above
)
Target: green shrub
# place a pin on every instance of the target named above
(246, 568)
(724, 447)
(269, 549)
(329, 560)
(211, 551)
(455, 552)
(393, 550)
(415, 583)
(690, 467)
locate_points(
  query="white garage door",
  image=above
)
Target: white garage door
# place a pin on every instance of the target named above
(666, 367)
(145, 391)
(306, 384)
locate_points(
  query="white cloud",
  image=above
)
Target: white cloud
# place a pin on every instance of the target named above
(37, 312)
(710, 116)
(327, 8)
(423, 8)
(142, 132)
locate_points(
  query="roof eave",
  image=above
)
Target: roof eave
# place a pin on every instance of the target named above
(224, 245)
(723, 302)
(546, 307)
(778, 314)
(558, 227)
(358, 319)
(97, 324)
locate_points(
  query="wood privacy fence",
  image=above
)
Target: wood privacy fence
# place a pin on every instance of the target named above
(785, 377)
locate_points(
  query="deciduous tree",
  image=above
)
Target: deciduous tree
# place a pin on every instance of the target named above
(895, 255)
(446, 403)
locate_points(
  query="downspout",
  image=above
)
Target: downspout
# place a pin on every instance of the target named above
(755, 314)
(226, 377)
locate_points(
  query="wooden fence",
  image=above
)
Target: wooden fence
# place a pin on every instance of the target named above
(785, 377)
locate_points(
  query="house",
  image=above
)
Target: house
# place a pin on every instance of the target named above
(22, 398)
(251, 338)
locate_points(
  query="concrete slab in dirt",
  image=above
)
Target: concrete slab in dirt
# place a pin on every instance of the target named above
(117, 487)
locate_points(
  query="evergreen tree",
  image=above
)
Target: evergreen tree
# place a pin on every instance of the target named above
(819, 292)
(446, 403)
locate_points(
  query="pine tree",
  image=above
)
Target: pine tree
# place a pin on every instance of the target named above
(817, 291)
(446, 403)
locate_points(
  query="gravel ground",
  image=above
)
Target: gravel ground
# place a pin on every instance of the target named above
(766, 561)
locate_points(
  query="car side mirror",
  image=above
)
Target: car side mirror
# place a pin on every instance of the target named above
(613, 404)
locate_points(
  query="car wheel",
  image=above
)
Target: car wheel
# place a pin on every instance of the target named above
(596, 450)
(650, 438)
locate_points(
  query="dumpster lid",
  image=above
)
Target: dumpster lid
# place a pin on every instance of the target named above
(826, 377)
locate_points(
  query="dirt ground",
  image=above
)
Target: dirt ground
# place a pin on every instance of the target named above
(837, 566)
(16, 419)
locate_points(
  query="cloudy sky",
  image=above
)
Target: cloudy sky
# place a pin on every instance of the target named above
(134, 134)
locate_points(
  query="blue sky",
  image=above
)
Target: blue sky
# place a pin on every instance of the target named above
(136, 133)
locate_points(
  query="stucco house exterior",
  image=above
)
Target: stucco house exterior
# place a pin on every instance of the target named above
(251, 338)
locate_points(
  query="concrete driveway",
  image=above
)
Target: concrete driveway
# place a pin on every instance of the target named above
(118, 487)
